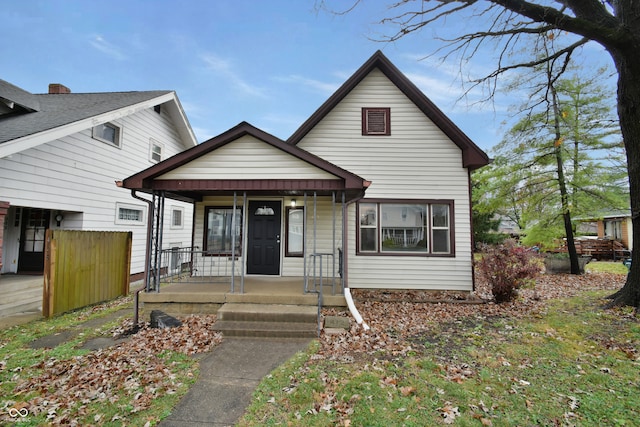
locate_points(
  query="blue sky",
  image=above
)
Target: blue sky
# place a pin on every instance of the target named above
(270, 63)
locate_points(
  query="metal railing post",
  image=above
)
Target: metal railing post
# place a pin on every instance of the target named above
(233, 242)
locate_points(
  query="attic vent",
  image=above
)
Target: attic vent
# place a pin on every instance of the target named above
(376, 121)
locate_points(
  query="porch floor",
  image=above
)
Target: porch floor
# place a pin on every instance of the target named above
(199, 297)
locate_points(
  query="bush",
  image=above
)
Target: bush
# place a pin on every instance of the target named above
(508, 267)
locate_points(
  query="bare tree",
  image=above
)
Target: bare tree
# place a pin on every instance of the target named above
(514, 25)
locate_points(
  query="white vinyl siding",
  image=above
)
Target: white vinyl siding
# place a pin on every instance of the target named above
(418, 161)
(247, 158)
(77, 175)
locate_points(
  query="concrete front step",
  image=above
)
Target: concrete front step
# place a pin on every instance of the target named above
(267, 320)
(266, 329)
(268, 312)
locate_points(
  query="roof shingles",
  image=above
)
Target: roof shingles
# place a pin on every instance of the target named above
(56, 110)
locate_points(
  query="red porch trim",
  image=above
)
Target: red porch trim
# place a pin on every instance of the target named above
(247, 185)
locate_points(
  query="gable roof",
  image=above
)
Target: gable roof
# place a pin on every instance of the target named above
(46, 117)
(472, 156)
(144, 180)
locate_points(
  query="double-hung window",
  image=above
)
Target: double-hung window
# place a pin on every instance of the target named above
(156, 151)
(405, 227)
(222, 230)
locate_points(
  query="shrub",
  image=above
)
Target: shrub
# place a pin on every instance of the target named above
(508, 267)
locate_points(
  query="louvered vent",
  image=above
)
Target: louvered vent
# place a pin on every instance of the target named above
(376, 121)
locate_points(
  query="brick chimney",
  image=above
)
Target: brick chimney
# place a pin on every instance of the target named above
(57, 88)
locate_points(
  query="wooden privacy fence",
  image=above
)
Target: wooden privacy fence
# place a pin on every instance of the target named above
(83, 268)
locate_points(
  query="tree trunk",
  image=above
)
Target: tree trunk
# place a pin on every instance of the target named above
(564, 196)
(627, 63)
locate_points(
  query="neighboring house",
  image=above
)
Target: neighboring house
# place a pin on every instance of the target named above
(378, 173)
(61, 154)
(612, 225)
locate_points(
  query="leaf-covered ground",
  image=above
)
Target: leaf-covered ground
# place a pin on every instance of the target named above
(125, 379)
(394, 317)
(409, 325)
(107, 386)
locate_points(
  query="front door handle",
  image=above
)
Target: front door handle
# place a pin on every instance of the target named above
(277, 238)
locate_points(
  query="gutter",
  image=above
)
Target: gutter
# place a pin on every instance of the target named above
(136, 295)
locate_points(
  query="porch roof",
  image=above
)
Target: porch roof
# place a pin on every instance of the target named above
(154, 178)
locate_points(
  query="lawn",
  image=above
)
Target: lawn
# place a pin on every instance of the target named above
(541, 360)
(136, 382)
(552, 357)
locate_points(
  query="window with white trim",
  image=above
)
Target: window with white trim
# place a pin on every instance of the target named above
(294, 243)
(130, 214)
(156, 150)
(376, 121)
(405, 227)
(108, 133)
(177, 217)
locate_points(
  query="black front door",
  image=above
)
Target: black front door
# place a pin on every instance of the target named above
(263, 243)
(35, 223)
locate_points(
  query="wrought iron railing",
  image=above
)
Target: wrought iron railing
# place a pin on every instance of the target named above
(189, 264)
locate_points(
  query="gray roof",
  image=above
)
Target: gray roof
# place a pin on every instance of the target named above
(48, 111)
(11, 93)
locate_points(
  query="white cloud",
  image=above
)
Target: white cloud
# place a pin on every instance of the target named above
(107, 48)
(315, 85)
(225, 68)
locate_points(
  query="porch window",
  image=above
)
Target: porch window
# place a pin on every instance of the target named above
(220, 230)
(420, 227)
(294, 245)
(368, 227)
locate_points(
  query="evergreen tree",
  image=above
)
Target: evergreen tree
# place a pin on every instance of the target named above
(563, 159)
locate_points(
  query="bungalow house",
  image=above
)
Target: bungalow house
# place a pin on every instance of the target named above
(60, 156)
(372, 191)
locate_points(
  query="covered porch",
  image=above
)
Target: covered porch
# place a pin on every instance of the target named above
(270, 225)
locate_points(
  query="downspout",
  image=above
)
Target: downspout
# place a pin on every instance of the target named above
(353, 310)
(136, 297)
(347, 291)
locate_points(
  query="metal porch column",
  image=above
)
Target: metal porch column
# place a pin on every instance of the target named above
(233, 242)
(156, 240)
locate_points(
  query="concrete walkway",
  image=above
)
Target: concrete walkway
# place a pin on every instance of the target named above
(228, 377)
